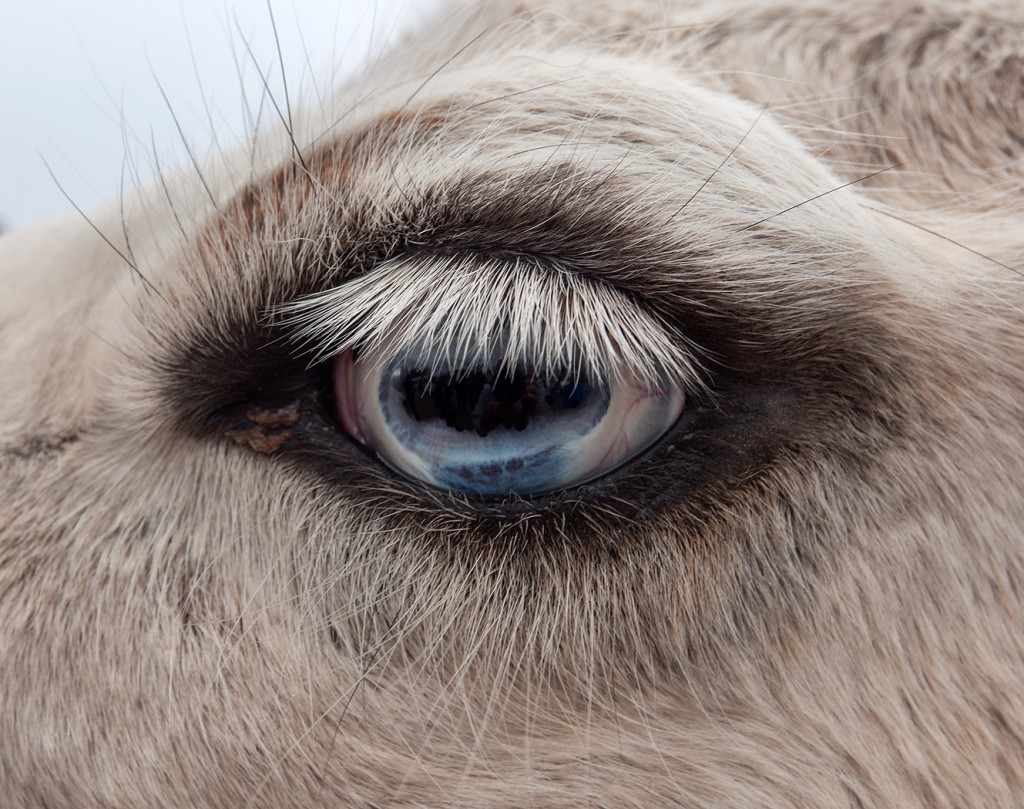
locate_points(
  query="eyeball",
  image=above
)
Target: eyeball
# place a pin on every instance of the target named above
(496, 431)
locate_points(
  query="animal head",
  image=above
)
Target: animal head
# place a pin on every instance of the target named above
(591, 404)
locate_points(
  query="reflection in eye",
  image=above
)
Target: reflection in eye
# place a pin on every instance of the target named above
(494, 430)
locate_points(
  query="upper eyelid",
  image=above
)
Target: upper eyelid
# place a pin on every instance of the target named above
(289, 254)
(285, 237)
(313, 240)
(305, 249)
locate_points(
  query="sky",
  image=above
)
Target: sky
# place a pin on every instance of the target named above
(88, 87)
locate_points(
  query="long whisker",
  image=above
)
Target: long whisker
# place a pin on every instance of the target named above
(819, 196)
(284, 118)
(725, 160)
(125, 258)
(954, 242)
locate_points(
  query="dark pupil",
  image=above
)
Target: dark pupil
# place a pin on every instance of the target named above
(482, 401)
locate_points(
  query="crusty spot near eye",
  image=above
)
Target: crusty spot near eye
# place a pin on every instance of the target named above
(268, 428)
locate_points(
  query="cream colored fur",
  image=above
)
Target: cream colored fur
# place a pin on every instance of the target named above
(823, 611)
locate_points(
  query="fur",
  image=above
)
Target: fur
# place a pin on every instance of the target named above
(809, 593)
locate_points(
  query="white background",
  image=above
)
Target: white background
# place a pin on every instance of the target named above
(80, 83)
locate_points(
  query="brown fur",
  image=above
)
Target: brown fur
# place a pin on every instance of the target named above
(808, 594)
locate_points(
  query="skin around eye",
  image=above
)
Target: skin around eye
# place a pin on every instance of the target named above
(493, 431)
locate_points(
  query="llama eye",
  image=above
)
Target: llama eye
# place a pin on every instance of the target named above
(493, 430)
(494, 376)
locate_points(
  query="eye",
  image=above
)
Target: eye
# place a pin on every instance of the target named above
(494, 376)
(493, 429)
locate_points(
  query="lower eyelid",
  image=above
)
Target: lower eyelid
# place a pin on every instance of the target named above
(344, 385)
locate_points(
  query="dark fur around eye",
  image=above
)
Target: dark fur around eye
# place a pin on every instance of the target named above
(785, 381)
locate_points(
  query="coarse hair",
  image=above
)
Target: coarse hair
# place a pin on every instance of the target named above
(807, 591)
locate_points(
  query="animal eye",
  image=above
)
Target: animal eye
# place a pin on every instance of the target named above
(494, 377)
(494, 429)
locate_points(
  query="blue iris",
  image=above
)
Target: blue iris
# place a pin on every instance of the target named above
(491, 432)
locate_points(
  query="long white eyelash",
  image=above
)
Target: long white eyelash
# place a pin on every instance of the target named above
(468, 312)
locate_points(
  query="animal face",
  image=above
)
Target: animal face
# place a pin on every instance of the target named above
(591, 405)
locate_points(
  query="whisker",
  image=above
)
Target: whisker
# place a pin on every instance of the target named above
(360, 684)
(309, 63)
(184, 142)
(819, 196)
(954, 242)
(725, 160)
(100, 233)
(284, 119)
(121, 211)
(284, 84)
(203, 95)
(166, 190)
(445, 64)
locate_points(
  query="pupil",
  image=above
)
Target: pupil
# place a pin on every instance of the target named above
(482, 401)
